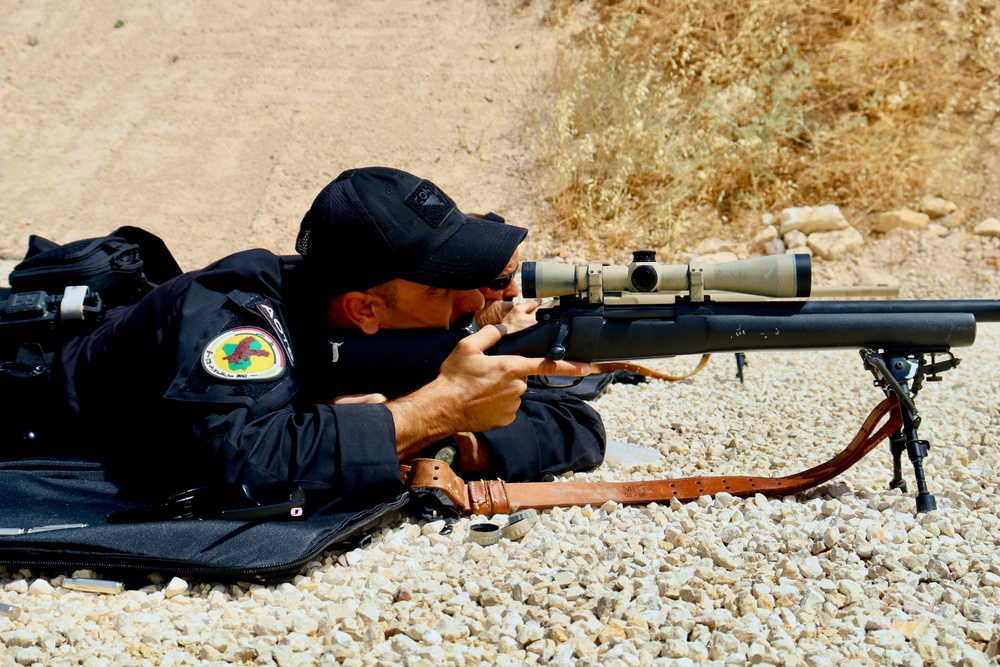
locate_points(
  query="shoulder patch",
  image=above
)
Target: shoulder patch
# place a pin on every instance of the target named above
(244, 353)
(274, 319)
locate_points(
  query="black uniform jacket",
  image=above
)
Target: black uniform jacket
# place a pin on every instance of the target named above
(170, 385)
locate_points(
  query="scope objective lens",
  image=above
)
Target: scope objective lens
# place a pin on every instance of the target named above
(644, 278)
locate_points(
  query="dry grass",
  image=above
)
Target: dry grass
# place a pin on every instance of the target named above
(696, 117)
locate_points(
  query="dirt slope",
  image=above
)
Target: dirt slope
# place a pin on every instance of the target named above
(215, 125)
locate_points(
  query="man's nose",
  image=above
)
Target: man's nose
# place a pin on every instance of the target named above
(470, 300)
(511, 290)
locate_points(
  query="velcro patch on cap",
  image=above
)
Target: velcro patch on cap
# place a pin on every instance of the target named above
(244, 353)
(430, 203)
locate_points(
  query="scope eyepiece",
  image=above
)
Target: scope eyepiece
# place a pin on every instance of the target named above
(528, 280)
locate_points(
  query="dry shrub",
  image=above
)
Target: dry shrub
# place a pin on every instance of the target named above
(695, 117)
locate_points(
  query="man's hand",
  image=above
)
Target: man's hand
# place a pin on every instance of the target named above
(358, 398)
(513, 317)
(522, 315)
(492, 313)
(472, 392)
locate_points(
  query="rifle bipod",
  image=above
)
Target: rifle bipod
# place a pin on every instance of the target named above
(902, 374)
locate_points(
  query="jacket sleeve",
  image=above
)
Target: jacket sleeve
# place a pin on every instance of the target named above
(344, 451)
(552, 433)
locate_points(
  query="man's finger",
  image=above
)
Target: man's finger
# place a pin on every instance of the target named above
(525, 366)
(552, 367)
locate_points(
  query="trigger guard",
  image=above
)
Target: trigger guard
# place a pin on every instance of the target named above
(544, 380)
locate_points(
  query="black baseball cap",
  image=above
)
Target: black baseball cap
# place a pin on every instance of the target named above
(376, 224)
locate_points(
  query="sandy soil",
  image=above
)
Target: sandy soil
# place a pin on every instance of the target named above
(215, 127)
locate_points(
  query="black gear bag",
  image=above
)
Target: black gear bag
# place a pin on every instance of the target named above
(57, 292)
(59, 511)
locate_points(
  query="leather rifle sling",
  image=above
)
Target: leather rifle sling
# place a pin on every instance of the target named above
(489, 497)
(611, 366)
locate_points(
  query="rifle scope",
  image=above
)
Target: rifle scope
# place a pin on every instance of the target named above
(774, 276)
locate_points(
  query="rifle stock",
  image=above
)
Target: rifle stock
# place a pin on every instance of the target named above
(578, 331)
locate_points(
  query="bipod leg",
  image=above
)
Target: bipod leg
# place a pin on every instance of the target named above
(894, 371)
(897, 443)
(916, 449)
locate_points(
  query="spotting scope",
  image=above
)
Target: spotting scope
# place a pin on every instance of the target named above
(779, 276)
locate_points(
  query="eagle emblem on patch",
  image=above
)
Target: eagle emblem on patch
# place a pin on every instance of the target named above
(244, 353)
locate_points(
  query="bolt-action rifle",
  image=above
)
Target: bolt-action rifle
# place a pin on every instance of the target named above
(648, 310)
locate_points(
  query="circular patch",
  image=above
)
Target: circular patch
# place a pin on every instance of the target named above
(246, 353)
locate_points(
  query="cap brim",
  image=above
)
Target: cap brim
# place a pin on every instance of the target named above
(472, 257)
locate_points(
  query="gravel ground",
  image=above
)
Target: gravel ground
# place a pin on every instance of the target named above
(845, 574)
(187, 118)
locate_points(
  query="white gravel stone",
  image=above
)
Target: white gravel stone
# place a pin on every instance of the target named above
(901, 219)
(988, 227)
(809, 219)
(175, 587)
(40, 587)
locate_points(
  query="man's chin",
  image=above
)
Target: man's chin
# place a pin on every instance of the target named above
(463, 322)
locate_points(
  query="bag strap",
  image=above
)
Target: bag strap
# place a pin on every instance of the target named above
(498, 497)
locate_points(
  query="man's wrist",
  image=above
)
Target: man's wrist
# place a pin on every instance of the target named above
(419, 418)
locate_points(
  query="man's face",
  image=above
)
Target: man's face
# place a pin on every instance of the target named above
(417, 306)
(508, 291)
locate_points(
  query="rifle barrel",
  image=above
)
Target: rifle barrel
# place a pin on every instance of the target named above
(984, 310)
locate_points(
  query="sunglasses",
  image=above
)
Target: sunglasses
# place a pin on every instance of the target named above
(231, 502)
(501, 283)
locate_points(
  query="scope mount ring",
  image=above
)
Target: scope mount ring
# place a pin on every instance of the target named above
(696, 281)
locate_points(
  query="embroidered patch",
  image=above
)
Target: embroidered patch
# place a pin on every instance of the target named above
(271, 314)
(244, 353)
(428, 202)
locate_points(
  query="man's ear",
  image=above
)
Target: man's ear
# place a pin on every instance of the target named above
(354, 310)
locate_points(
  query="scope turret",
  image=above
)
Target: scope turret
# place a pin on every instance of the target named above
(776, 276)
